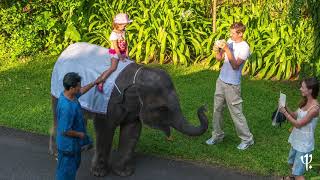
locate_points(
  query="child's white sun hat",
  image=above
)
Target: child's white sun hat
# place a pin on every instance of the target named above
(122, 18)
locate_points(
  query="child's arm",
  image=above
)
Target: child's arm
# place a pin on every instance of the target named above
(86, 88)
(115, 46)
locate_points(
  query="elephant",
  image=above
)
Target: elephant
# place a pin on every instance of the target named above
(147, 96)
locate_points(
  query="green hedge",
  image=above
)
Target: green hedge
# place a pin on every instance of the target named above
(283, 37)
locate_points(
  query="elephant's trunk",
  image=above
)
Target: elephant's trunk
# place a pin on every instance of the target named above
(182, 125)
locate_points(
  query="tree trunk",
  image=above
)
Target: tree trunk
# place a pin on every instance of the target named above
(214, 15)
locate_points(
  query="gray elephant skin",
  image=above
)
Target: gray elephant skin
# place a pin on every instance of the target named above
(147, 97)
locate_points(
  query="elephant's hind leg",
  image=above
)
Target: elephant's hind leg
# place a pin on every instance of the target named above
(129, 136)
(104, 136)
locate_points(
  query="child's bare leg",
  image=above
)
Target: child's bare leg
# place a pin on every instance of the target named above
(114, 64)
(106, 73)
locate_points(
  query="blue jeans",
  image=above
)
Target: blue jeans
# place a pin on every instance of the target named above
(67, 165)
(294, 159)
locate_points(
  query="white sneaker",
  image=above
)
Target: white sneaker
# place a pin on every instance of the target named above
(213, 141)
(245, 145)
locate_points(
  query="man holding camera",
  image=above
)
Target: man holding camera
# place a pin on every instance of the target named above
(228, 90)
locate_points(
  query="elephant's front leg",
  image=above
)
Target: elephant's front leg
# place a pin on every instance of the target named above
(104, 136)
(129, 136)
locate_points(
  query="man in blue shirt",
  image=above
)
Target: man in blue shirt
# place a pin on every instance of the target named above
(71, 130)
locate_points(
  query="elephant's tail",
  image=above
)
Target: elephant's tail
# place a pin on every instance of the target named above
(52, 144)
(51, 141)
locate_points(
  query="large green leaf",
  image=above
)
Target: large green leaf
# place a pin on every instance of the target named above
(72, 33)
(163, 47)
(272, 71)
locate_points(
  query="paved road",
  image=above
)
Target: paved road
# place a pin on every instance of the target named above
(23, 156)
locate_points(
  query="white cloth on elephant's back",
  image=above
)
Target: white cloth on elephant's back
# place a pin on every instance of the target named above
(89, 61)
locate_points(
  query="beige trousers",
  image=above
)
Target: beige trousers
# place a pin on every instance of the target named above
(231, 95)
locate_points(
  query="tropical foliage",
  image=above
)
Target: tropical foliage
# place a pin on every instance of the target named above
(282, 34)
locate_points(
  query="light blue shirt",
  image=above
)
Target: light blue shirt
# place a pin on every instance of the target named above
(228, 74)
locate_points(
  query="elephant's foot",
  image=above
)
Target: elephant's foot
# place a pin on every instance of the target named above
(123, 171)
(99, 170)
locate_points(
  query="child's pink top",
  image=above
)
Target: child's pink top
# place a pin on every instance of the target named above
(121, 42)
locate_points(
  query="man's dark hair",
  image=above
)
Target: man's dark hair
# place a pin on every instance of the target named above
(71, 79)
(239, 27)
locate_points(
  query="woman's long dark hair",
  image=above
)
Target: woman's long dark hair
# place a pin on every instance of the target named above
(313, 84)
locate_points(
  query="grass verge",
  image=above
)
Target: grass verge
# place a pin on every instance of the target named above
(25, 96)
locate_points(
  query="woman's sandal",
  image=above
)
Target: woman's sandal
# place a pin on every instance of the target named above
(288, 178)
